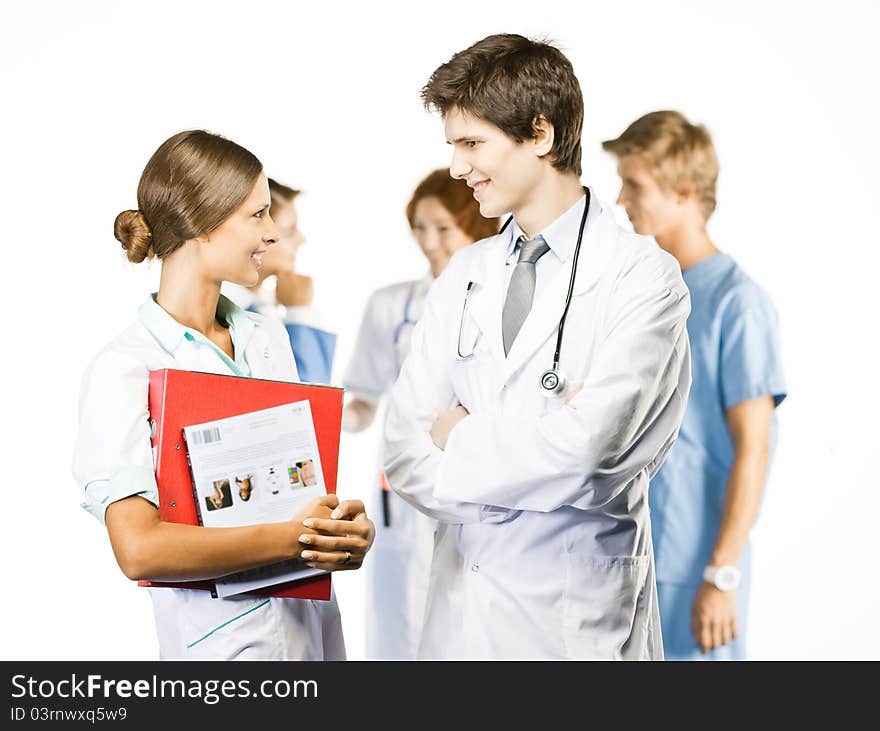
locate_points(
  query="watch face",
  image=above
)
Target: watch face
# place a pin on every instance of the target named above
(727, 578)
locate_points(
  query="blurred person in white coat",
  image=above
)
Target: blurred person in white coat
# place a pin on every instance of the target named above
(546, 382)
(444, 217)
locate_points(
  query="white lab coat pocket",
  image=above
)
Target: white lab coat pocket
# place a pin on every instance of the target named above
(600, 604)
(473, 377)
(239, 627)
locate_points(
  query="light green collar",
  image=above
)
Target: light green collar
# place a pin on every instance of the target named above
(169, 333)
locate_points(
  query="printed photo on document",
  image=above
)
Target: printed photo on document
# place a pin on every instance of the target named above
(237, 465)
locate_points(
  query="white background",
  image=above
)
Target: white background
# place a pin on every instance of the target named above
(327, 95)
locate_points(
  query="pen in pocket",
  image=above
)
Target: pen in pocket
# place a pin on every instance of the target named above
(386, 507)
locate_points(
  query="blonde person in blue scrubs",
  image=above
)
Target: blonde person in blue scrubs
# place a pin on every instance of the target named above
(203, 210)
(705, 498)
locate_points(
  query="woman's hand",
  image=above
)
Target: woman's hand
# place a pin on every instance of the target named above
(320, 507)
(340, 542)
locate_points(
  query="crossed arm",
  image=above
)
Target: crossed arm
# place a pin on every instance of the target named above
(620, 423)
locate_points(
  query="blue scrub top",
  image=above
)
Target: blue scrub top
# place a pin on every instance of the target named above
(313, 348)
(313, 351)
(735, 356)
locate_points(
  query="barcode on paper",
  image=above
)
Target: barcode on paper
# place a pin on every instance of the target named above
(206, 436)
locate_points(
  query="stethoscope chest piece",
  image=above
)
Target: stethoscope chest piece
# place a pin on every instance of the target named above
(552, 383)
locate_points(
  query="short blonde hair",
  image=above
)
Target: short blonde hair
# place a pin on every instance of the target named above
(677, 151)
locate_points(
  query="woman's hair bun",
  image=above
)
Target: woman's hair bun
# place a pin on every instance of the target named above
(133, 232)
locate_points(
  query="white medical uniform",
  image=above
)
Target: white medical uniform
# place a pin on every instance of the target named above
(544, 544)
(400, 559)
(114, 460)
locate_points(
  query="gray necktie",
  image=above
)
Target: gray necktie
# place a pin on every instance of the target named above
(521, 289)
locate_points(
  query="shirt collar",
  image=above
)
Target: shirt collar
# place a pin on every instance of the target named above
(561, 235)
(242, 296)
(707, 267)
(170, 333)
(241, 325)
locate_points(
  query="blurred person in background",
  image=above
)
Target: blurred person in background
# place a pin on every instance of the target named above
(705, 498)
(284, 294)
(444, 217)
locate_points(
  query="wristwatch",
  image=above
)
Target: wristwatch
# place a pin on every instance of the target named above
(725, 578)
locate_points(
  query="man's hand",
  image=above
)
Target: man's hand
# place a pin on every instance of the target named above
(713, 617)
(445, 423)
(294, 290)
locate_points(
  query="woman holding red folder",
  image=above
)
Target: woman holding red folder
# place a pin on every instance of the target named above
(203, 210)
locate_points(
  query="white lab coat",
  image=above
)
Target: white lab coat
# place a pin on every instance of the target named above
(384, 338)
(400, 559)
(544, 543)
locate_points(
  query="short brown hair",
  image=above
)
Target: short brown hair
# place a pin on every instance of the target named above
(191, 185)
(511, 81)
(676, 150)
(457, 198)
(281, 195)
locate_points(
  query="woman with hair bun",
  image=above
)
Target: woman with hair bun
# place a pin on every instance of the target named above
(444, 217)
(203, 210)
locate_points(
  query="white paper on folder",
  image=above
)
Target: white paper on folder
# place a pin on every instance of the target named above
(260, 467)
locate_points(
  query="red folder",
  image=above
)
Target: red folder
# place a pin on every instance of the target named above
(181, 398)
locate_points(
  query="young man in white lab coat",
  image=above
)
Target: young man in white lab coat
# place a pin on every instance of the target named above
(544, 544)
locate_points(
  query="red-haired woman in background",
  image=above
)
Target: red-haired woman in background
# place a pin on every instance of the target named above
(444, 217)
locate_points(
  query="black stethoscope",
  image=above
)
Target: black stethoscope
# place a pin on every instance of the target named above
(552, 381)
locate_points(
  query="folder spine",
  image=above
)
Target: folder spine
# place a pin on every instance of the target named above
(192, 477)
(158, 387)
